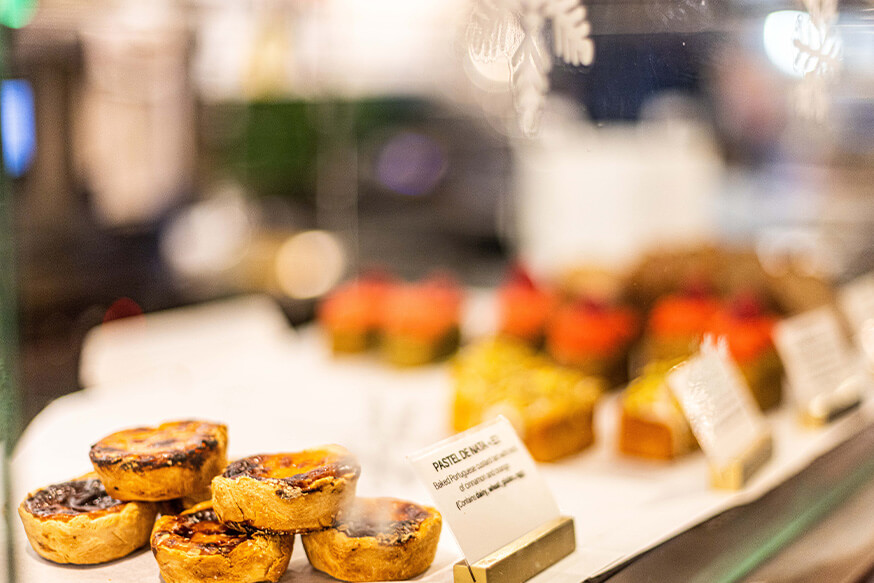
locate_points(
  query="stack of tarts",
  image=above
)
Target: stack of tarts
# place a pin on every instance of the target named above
(241, 518)
(108, 514)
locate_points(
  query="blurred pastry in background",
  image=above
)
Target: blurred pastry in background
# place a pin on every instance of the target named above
(421, 320)
(599, 284)
(652, 424)
(352, 314)
(677, 322)
(727, 271)
(524, 307)
(747, 328)
(662, 273)
(550, 406)
(593, 337)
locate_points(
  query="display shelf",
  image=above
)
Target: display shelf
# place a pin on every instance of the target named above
(293, 394)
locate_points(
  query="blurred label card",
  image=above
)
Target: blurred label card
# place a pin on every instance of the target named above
(856, 300)
(487, 487)
(819, 364)
(723, 415)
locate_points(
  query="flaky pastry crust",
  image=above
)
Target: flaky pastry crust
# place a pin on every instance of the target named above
(194, 546)
(173, 460)
(378, 539)
(77, 522)
(286, 492)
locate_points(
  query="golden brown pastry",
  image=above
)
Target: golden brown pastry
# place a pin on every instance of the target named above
(377, 539)
(286, 492)
(652, 424)
(551, 407)
(77, 522)
(194, 546)
(174, 460)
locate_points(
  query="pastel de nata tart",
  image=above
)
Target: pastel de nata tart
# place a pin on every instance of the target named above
(652, 424)
(550, 406)
(195, 546)
(173, 460)
(524, 307)
(421, 322)
(748, 328)
(352, 314)
(78, 522)
(286, 492)
(376, 539)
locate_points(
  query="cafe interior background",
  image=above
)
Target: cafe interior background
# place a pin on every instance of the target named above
(170, 154)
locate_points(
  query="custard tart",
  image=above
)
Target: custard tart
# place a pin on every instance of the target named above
(173, 460)
(78, 522)
(377, 539)
(286, 492)
(195, 546)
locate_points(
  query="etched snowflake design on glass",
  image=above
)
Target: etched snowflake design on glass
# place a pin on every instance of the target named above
(818, 57)
(515, 30)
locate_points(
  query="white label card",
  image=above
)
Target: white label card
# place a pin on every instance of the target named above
(815, 353)
(486, 486)
(718, 405)
(856, 300)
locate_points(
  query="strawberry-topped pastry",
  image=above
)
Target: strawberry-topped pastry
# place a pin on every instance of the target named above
(677, 322)
(747, 328)
(352, 313)
(593, 336)
(524, 307)
(421, 321)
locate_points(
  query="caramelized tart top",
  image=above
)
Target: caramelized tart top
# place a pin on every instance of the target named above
(67, 500)
(197, 530)
(172, 443)
(388, 520)
(305, 469)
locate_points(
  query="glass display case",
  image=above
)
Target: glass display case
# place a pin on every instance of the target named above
(380, 224)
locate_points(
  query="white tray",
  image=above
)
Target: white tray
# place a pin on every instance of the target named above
(294, 395)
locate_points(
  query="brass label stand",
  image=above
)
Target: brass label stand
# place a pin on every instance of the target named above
(735, 474)
(826, 408)
(523, 558)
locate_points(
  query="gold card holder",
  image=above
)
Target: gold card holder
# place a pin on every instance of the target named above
(817, 417)
(737, 472)
(523, 558)
(825, 408)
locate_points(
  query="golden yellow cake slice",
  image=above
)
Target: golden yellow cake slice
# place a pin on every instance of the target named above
(652, 424)
(78, 522)
(551, 407)
(376, 539)
(195, 546)
(173, 460)
(286, 492)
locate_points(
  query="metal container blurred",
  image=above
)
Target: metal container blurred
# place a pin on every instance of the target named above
(135, 137)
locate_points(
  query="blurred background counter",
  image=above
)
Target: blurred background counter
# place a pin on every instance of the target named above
(173, 152)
